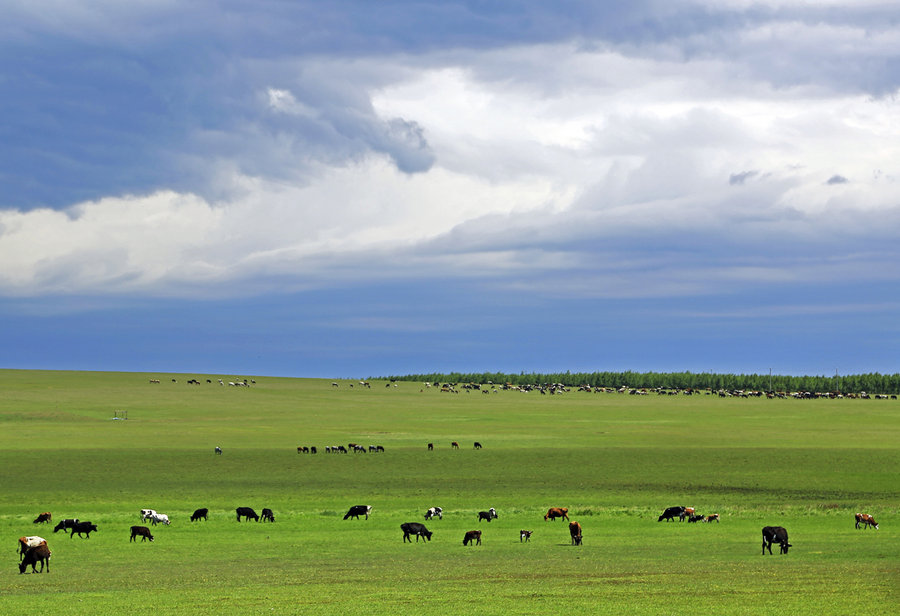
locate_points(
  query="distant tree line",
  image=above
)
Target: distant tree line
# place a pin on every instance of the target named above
(873, 382)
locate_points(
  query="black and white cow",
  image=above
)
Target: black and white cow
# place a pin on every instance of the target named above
(434, 511)
(358, 510)
(671, 513)
(525, 535)
(775, 534)
(490, 514)
(65, 525)
(415, 528)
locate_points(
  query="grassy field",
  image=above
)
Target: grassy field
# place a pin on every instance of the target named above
(615, 461)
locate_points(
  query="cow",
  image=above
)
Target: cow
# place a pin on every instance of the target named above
(434, 511)
(866, 520)
(557, 512)
(302, 449)
(695, 518)
(38, 554)
(712, 518)
(267, 515)
(312, 449)
(415, 528)
(159, 518)
(83, 527)
(140, 531)
(671, 513)
(525, 535)
(490, 514)
(687, 513)
(454, 445)
(246, 512)
(29, 542)
(430, 446)
(218, 451)
(575, 532)
(146, 514)
(200, 513)
(43, 517)
(477, 445)
(358, 510)
(775, 534)
(65, 525)
(472, 536)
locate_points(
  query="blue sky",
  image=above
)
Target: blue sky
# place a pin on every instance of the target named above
(351, 189)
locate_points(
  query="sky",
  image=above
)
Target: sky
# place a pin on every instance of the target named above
(354, 188)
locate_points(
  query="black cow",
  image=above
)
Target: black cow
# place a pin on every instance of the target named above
(775, 534)
(246, 512)
(200, 513)
(358, 510)
(83, 527)
(65, 525)
(671, 513)
(477, 445)
(490, 514)
(415, 528)
(472, 536)
(267, 515)
(37, 554)
(140, 531)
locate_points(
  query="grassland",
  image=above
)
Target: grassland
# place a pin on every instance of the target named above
(616, 461)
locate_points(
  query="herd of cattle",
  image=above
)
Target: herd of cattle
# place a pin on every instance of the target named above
(33, 550)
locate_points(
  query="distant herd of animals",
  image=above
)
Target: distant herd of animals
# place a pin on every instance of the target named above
(33, 550)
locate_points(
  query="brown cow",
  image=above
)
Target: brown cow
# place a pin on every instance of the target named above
(557, 512)
(710, 518)
(687, 513)
(26, 543)
(38, 554)
(866, 520)
(140, 531)
(454, 445)
(575, 532)
(43, 517)
(472, 535)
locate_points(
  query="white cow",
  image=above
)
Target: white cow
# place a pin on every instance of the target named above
(434, 511)
(146, 514)
(156, 518)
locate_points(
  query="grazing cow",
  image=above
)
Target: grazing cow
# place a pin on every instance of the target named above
(671, 513)
(200, 513)
(575, 532)
(146, 514)
(775, 534)
(430, 446)
(25, 543)
(140, 531)
(415, 528)
(477, 445)
(454, 445)
(246, 512)
(472, 536)
(312, 450)
(267, 515)
(43, 517)
(159, 518)
(358, 510)
(218, 451)
(490, 514)
(712, 518)
(434, 511)
(525, 535)
(687, 513)
(557, 512)
(83, 527)
(302, 449)
(65, 525)
(866, 520)
(38, 554)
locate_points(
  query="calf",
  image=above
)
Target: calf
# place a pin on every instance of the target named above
(671, 513)
(525, 535)
(83, 527)
(200, 513)
(695, 518)
(490, 514)
(267, 515)
(358, 510)
(415, 528)
(434, 511)
(557, 512)
(26, 543)
(866, 520)
(687, 513)
(140, 531)
(38, 554)
(247, 513)
(472, 536)
(65, 525)
(712, 518)
(775, 534)
(454, 445)
(575, 532)
(43, 517)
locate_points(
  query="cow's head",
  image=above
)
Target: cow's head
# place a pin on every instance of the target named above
(427, 534)
(785, 546)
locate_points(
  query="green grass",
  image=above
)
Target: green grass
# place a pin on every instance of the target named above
(615, 460)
